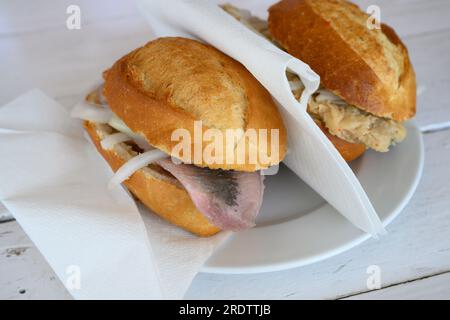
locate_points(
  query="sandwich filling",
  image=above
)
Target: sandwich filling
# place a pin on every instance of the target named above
(229, 199)
(340, 118)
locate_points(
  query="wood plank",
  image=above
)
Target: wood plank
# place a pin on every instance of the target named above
(433, 288)
(24, 272)
(21, 17)
(417, 246)
(4, 214)
(408, 17)
(66, 63)
(430, 55)
(12, 235)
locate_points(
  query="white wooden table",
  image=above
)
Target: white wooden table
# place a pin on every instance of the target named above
(37, 50)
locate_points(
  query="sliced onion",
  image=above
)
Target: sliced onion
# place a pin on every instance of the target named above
(110, 141)
(325, 95)
(134, 164)
(119, 125)
(91, 112)
(142, 143)
(296, 84)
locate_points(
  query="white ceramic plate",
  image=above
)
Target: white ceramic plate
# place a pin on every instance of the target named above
(297, 227)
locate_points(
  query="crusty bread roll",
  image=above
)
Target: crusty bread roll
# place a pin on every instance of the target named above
(348, 150)
(171, 82)
(156, 189)
(369, 69)
(153, 186)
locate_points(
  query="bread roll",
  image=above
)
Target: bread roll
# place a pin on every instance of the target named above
(368, 68)
(171, 82)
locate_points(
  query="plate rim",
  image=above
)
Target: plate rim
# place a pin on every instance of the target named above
(362, 237)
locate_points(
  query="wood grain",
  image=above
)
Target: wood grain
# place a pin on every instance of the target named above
(429, 288)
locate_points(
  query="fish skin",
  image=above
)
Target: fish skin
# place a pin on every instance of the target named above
(230, 200)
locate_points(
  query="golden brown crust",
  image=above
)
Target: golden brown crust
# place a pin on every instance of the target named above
(165, 198)
(349, 151)
(171, 82)
(369, 69)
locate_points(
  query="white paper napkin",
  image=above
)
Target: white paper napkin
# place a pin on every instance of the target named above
(54, 183)
(311, 155)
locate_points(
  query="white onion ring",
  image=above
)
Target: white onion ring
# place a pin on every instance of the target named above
(110, 141)
(134, 164)
(91, 112)
(142, 143)
(325, 95)
(120, 126)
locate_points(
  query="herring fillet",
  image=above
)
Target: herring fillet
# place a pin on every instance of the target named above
(230, 199)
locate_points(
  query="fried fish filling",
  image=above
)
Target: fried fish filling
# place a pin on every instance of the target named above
(341, 119)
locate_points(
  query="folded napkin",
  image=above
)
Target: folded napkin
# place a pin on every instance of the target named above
(54, 183)
(311, 155)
